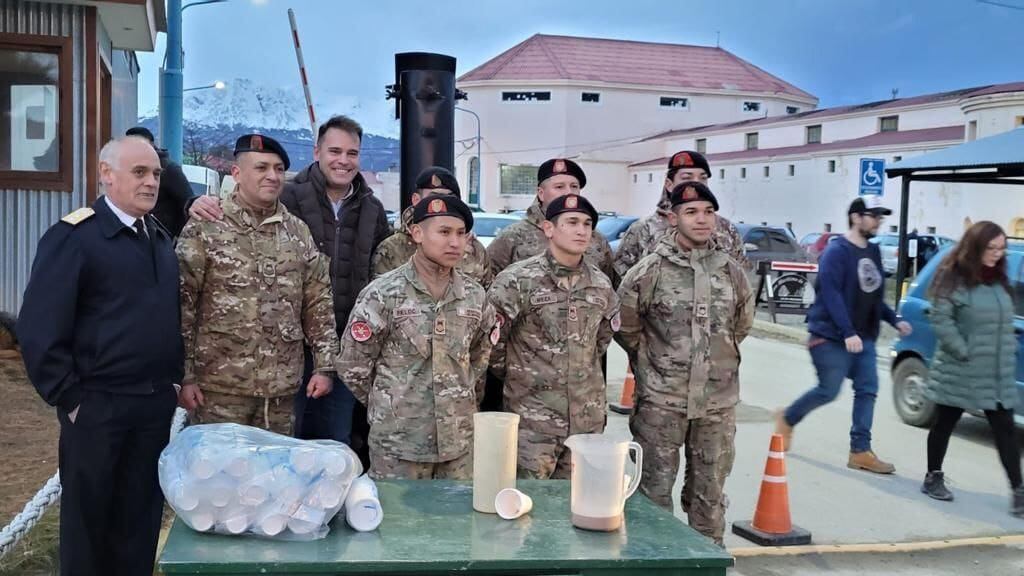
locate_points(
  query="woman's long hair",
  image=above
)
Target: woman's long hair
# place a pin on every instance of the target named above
(963, 265)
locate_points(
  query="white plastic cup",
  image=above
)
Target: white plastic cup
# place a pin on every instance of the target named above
(235, 520)
(326, 493)
(335, 462)
(306, 520)
(304, 461)
(511, 504)
(272, 524)
(363, 511)
(201, 519)
(182, 496)
(202, 462)
(219, 490)
(238, 466)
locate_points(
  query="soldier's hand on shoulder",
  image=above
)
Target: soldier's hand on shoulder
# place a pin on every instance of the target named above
(206, 208)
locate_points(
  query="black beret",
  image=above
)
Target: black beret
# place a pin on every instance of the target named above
(571, 203)
(557, 166)
(688, 159)
(261, 143)
(141, 132)
(691, 192)
(447, 205)
(437, 178)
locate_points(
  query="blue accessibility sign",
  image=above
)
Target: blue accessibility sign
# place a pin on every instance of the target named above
(872, 176)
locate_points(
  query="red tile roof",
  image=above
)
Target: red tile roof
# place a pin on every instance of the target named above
(543, 57)
(945, 133)
(881, 105)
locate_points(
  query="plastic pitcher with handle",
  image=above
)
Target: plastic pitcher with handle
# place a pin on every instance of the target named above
(600, 485)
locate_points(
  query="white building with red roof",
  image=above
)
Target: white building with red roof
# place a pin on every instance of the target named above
(554, 96)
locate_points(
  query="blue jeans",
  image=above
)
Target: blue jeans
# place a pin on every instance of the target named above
(834, 364)
(325, 418)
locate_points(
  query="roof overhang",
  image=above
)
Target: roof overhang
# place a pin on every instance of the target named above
(130, 24)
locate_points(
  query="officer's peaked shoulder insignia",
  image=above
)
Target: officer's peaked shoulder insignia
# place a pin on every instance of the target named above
(78, 216)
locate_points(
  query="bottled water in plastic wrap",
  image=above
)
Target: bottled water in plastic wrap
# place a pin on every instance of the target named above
(234, 479)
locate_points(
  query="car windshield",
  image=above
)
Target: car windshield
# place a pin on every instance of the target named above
(886, 240)
(485, 226)
(810, 238)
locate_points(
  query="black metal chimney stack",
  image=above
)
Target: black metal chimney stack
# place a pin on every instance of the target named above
(425, 95)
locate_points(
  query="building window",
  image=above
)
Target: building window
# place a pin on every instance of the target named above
(1019, 121)
(525, 96)
(752, 141)
(792, 110)
(474, 181)
(35, 112)
(743, 173)
(592, 97)
(889, 124)
(792, 169)
(518, 180)
(814, 134)
(702, 145)
(675, 102)
(767, 172)
(897, 158)
(650, 176)
(754, 107)
(721, 174)
(972, 130)
(831, 166)
(634, 178)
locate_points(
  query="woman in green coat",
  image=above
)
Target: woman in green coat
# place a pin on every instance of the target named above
(976, 357)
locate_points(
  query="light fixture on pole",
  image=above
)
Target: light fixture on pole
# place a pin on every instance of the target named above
(218, 85)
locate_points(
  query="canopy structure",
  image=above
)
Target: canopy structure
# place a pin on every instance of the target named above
(997, 159)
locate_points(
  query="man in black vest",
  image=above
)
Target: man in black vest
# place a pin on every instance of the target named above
(347, 222)
(101, 338)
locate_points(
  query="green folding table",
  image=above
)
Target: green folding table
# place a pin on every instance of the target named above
(430, 528)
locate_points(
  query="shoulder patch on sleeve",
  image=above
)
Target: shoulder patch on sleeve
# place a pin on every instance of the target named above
(78, 216)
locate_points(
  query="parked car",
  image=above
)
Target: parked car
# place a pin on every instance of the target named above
(912, 355)
(814, 244)
(614, 227)
(204, 181)
(392, 216)
(927, 246)
(487, 225)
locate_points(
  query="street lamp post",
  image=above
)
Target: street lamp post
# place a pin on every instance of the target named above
(171, 88)
(218, 85)
(479, 159)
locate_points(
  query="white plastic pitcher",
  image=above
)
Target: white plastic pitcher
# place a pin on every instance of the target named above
(495, 450)
(600, 485)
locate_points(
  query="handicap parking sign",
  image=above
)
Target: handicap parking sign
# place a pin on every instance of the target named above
(872, 176)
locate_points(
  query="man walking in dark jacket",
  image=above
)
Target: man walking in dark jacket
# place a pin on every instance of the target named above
(347, 223)
(175, 191)
(843, 323)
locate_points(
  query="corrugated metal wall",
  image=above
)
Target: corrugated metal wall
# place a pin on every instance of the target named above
(26, 214)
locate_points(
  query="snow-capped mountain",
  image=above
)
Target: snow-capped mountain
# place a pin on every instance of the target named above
(215, 118)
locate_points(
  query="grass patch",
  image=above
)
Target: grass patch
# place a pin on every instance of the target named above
(37, 553)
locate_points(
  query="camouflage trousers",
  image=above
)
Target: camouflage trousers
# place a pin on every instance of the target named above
(710, 446)
(274, 414)
(384, 467)
(542, 456)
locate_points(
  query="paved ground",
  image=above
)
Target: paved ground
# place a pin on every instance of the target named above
(843, 506)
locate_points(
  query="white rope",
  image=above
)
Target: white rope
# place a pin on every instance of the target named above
(49, 494)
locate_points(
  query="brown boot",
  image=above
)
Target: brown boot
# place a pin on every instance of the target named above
(783, 429)
(868, 461)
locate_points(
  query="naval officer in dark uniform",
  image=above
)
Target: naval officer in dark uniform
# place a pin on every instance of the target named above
(101, 338)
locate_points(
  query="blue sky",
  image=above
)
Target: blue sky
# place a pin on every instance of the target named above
(843, 52)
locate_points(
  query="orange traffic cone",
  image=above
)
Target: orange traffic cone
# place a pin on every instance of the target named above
(625, 405)
(772, 525)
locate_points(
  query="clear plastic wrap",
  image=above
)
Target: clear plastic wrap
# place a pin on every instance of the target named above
(234, 479)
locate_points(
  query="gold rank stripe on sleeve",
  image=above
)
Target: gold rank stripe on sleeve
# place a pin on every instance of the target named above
(78, 216)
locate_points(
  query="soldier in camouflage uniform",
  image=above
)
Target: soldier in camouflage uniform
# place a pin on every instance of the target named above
(416, 348)
(642, 236)
(524, 239)
(399, 247)
(685, 308)
(557, 315)
(253, 287)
